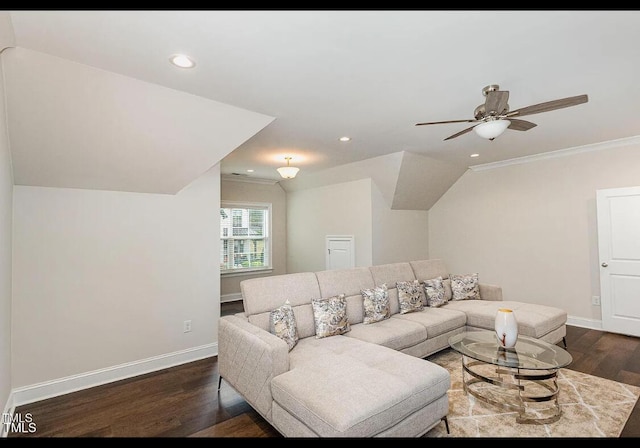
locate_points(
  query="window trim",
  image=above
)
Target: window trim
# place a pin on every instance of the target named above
(251, 270)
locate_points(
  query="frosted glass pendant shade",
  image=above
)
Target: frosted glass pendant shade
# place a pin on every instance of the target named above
(288, 172)
(492, 129)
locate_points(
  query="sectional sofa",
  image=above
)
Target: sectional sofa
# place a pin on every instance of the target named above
(371, 379)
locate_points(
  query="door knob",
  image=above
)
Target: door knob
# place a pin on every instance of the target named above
(604, 265)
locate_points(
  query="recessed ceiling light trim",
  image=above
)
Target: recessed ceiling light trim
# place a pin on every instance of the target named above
(344, 139)
(182, 61)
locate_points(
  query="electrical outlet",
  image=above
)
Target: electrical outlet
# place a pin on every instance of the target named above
(186, 327)
(595, 300)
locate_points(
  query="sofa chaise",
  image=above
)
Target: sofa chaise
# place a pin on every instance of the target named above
(370, 380)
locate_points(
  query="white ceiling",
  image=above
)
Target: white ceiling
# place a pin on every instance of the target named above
(369, 74)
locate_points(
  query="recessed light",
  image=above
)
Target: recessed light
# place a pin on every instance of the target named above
(250, 171)
(474, 155)
(182, 61)
(345, 139)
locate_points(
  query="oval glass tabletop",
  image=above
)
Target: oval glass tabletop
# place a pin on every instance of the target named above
(528, 353)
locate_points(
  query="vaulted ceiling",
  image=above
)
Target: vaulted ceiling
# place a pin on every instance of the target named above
(93, 102)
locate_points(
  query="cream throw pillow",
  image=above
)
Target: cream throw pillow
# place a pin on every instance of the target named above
(411, 296)
(282, 323)
(330, 316)
(376, 304)
(465, 287)
(434, 289)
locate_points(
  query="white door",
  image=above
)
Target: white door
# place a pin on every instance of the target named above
(619, 252)
(340, 252)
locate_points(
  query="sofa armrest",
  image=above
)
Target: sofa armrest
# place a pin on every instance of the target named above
(490, 292)
(249, 358)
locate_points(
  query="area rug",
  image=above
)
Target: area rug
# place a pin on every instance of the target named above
(591, 407)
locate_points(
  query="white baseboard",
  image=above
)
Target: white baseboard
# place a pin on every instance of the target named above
(9, 408)
(230, 297)
(73, 383)
(592, 324)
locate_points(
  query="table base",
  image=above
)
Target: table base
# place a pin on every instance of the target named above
(514, 389)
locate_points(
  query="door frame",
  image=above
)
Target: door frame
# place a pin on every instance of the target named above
(605, 257)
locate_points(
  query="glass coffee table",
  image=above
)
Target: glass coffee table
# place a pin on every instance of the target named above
(523, 378)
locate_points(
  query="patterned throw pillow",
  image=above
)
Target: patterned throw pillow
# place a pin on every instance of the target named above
(283, 324)
(376, 304)
(410, 296)
(330, 316)
(465, 287)
(434, 288)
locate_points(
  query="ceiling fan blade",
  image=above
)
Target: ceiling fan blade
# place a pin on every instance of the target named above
(444, 122)
(496, 102)
(548, 106)
(458, 134)
(520, 125)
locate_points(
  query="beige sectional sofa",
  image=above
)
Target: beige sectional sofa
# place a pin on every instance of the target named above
(371, 381)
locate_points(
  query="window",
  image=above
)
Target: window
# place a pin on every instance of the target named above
(245, 243)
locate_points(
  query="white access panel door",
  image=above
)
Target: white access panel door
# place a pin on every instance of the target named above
(340, 252)
(618, 212)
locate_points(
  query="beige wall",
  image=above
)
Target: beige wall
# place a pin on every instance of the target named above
(339, 209)
(355, 208)
(256, 192)
(6, 192)
(102, 278)
(531, 227)
(398, 235)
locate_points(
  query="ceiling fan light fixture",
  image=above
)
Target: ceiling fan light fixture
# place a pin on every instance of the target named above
(492, 128)
(288, 172)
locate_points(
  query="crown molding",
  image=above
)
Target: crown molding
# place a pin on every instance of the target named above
(611, 144)
(247, 179)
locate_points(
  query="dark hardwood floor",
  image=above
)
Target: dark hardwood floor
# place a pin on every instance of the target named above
(183, 401)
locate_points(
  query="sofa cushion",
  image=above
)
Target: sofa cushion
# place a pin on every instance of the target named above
(330, 316)
(348, 282)
(437, 321)
(344, 387)
(533, 320)
(391, 333)
(283, 324)
(375, 304)
(390, 274)
(263, 294)
(465, 287)
(411, 296)
(426, 269)
(304, 320)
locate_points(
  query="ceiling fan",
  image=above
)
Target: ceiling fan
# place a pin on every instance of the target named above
(493, 117)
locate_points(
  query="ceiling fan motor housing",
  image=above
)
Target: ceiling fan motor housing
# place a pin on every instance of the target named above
(490, 88)
(480, 112)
